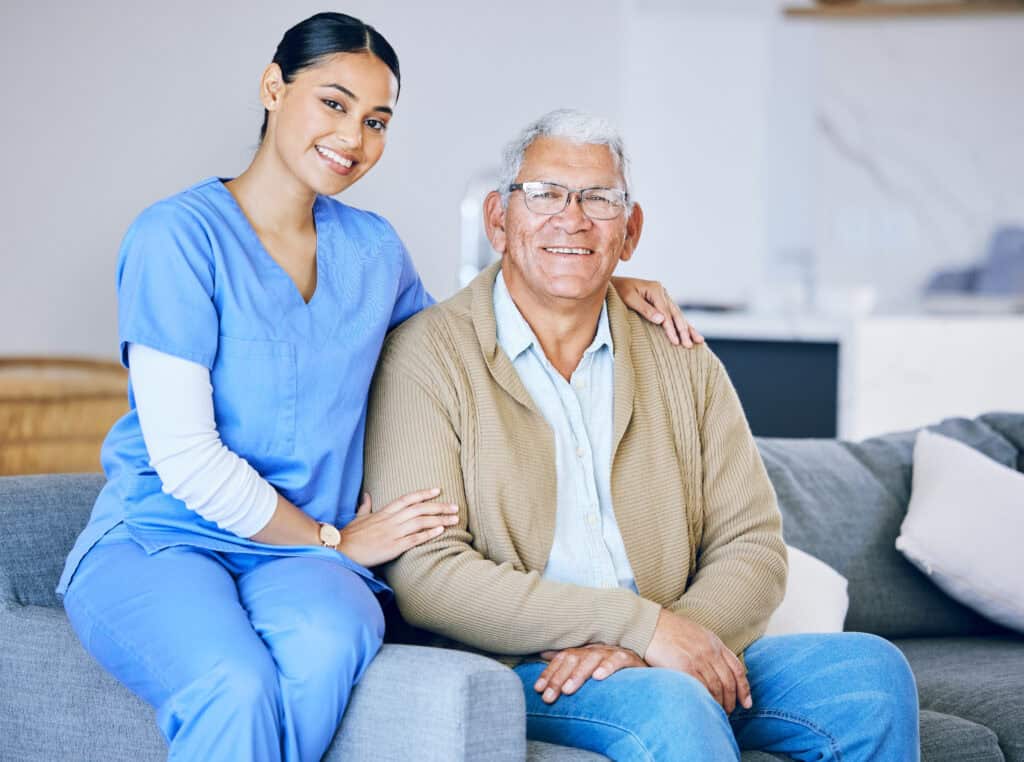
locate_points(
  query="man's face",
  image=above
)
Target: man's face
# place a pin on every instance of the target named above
(565, 255)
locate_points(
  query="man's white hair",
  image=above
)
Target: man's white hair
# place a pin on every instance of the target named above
(567, 124)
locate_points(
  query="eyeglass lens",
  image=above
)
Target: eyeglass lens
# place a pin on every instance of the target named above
(597, 203)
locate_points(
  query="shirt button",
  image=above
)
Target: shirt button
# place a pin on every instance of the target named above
(579, 452)
(592, 519)
(581, 384)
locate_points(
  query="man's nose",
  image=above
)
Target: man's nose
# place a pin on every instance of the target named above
(573, 218)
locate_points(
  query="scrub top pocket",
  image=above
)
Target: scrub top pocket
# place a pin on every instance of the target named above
(254, 390)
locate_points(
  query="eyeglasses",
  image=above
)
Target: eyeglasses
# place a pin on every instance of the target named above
(552, 198)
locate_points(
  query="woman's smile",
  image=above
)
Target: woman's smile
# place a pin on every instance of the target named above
(337, 162)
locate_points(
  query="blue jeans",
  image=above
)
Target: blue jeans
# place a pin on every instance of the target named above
(843, 696)
(244, 657)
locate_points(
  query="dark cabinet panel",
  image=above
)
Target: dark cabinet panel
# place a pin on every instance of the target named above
(788, 388)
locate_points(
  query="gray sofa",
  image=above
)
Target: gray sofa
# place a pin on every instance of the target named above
(842, 502)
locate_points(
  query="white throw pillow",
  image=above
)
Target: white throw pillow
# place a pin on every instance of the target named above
(965, 527)
(815, 600)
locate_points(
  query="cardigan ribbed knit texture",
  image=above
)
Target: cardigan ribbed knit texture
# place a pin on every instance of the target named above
(691, 496)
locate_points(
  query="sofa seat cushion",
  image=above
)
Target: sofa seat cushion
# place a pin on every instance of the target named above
(979, 679)
(538, 751)
(945, 738)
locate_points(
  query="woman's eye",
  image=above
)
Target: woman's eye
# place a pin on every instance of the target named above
(333, 105)
(376, 124)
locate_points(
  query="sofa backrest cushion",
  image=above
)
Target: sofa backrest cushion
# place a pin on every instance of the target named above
(40, 517)
(843, 502)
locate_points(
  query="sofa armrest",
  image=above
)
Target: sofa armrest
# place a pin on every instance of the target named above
(422, 703)
(429, 704)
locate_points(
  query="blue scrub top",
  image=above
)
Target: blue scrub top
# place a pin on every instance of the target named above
(290, 379)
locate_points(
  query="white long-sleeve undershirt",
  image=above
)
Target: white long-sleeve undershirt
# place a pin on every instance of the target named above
(174, 401)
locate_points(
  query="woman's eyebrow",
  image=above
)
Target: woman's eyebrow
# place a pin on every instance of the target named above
(353, 96)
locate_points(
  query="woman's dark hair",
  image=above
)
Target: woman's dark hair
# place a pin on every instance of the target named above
(327, 34)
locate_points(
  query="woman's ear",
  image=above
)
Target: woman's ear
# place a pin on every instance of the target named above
(272, 87)
(494, 221)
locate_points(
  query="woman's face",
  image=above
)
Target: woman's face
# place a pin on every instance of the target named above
(329, 124)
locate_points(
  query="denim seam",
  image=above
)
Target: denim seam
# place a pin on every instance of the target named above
(97, 623)
(790, 717)
(627, 731)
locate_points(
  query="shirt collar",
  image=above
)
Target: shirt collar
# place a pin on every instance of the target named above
(515, 335)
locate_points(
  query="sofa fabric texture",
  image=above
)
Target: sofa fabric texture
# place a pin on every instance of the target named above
(841, 502)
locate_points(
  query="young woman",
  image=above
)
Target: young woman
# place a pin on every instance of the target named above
(223, 576)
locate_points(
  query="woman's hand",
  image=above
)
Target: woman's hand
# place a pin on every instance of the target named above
(650, 299)
(375, 538)
(568, 669)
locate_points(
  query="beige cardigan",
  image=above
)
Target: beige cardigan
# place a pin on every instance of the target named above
(690, 493)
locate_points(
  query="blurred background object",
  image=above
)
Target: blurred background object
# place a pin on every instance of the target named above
(994, 285)
(55, 412)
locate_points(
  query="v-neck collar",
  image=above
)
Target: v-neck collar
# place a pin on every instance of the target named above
(289, 294)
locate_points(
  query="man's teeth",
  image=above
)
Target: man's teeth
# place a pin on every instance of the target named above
(333, 156)
(564, 250)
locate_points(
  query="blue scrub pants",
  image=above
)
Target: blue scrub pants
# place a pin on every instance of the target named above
(243, 656)
(845, 696)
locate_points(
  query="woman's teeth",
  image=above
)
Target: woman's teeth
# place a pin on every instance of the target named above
(566, 250)
(337, 158)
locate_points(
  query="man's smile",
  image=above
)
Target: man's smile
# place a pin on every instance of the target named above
(571, 250)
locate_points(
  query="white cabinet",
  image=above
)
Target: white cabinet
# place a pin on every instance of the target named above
(894, 371)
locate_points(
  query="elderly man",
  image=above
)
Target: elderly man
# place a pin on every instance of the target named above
(617, 532)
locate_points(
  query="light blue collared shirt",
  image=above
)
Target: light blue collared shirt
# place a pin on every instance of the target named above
(588, 548)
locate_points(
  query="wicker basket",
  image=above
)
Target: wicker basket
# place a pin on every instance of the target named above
(55, 412)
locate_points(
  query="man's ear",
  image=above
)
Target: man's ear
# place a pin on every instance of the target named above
(272, 87)
(494, 221)
(634, 226)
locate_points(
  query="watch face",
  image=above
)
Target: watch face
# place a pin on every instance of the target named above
(329, 535)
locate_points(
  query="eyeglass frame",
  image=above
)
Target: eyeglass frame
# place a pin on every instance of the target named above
(569, 193)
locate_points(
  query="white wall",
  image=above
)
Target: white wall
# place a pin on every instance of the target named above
(109, 107)
(919, 142)
(694, 117)
(883, 148)
(886, 148)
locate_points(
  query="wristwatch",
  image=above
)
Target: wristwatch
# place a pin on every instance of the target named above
(330, 537)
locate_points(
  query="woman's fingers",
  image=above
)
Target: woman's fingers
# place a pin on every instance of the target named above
(366, 507)
(420, 523)
(418, 538)
(638, 295)
(682, 326)
(411, 499)
(665, 305)
(695, 336)
(413, 512)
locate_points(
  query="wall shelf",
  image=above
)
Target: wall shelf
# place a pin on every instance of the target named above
(875, 10)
